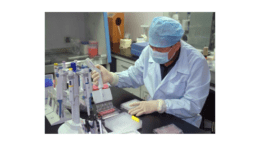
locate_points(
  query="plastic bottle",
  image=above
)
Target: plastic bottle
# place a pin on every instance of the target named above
(84, 47)
(93, 48)
(205, 51)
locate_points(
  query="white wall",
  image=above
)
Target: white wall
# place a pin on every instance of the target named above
(60, 25)
(134, 20)
(84, 26)
(95, 30)
(200, 29)
(182, 15)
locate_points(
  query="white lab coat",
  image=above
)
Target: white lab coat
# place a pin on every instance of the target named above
(184, 89)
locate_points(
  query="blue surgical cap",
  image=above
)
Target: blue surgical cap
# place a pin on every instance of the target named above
(164, 32)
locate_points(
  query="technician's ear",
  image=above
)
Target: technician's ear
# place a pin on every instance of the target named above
(177, 46)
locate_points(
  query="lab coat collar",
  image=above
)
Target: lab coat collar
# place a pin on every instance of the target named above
(150, 56)
(182, 63)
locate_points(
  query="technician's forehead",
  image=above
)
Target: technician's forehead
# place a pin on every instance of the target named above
(157, 47)
(154, 47)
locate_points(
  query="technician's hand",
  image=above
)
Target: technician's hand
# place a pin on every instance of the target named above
(144, 107)
(106, 75)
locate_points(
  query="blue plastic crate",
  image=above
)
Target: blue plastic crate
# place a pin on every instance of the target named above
(48, 80)
(137, 48)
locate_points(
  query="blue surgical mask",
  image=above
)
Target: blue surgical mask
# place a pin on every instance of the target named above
(159, 57)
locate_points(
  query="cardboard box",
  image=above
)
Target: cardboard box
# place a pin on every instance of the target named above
(116, 30)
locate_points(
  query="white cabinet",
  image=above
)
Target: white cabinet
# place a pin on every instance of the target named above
(144, 93)
(135, 91)
(123, 64)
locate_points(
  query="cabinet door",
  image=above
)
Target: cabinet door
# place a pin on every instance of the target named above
(122, 66)
(135, 91)
(144, 93)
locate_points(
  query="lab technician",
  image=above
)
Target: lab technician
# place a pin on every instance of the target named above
(175, 74)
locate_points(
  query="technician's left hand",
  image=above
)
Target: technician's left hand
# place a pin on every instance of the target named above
(144, 107)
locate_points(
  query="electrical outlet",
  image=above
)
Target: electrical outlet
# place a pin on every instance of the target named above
(67, 39)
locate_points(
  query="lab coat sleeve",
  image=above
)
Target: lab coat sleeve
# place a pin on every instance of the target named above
(133, 76)
(195, 95)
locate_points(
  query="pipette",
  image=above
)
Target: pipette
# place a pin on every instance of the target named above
(100, 82)
(59, 89)
(86, 87)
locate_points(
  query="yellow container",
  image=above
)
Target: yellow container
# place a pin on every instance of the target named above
(135, 119)
(125, 51)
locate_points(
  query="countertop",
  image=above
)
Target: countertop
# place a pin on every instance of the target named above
(132, 57)
(149, 122)
(54, 56)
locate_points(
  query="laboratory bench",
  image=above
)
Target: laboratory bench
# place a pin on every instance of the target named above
(149, 121)
(132, 57)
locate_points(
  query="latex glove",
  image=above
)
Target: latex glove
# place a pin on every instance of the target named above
(144, 107)
(107, 76)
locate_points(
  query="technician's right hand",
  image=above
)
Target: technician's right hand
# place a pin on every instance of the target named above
(106, 75)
